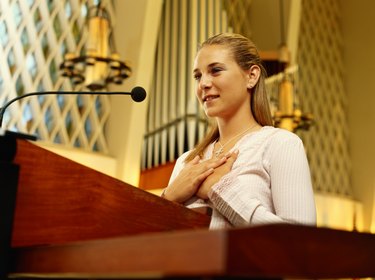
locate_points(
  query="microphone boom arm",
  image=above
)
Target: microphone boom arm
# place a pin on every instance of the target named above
(138, 94)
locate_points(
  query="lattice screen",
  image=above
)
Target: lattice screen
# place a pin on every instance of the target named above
(34, 36)
(238, 15)
(320, 61)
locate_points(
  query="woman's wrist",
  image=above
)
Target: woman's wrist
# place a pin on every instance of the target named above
(166, 195)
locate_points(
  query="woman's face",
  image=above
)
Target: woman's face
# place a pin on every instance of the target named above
(222, 86)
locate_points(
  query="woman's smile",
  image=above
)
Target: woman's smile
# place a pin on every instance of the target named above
(209, 98)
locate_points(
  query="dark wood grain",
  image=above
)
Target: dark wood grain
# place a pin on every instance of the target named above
(178, 253)
(293, 251)
(272, 251)
(61, 201)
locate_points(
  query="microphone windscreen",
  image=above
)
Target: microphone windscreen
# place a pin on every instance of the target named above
(138, 94)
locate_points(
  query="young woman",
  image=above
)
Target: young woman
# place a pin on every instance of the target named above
(245, 172)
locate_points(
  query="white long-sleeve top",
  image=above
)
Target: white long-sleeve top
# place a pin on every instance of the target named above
(269, 182)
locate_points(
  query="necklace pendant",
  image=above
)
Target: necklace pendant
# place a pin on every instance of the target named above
(219, 152)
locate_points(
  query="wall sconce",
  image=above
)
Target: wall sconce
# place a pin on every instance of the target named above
(287, 116)
(100, 64)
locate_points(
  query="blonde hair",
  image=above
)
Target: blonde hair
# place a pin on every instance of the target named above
(246, 55)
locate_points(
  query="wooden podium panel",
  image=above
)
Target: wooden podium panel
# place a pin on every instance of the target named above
(271, 251)
(73, 222)
(61, 201)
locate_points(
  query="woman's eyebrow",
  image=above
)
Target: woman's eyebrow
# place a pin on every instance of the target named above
(208, 66)
(214, 64)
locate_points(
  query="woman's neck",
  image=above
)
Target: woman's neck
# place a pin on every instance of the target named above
(233, 127)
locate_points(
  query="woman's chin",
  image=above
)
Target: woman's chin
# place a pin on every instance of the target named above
(210, 113)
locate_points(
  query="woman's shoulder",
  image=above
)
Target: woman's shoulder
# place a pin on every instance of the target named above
(281, 141)
(279, 134)
(268, 138)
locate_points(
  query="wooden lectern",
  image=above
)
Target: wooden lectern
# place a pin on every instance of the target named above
(72, 222)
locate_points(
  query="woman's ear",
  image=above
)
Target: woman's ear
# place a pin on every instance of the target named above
(253, 76)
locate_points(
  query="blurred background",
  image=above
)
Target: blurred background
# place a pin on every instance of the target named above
(319, 55)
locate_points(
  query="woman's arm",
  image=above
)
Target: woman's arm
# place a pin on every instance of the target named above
(275, 189)
(291, 187)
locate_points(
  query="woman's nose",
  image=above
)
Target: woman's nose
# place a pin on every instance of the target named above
(205, 82)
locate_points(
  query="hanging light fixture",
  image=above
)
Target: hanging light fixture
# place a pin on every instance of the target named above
(99, 64)
(287, 116)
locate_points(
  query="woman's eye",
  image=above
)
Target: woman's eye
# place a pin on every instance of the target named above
(216, 70)
(197, 77)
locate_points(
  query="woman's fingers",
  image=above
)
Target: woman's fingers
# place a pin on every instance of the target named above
(194, 161)
(215, 176)
(232, 154)
(231, 158)
(190, 178)
(194, 174)
(204, 175)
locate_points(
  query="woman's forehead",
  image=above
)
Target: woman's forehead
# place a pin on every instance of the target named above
(212, 54)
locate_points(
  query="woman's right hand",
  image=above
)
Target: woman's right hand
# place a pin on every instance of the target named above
(190, 178)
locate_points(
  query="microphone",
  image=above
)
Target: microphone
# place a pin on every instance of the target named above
(138, 94)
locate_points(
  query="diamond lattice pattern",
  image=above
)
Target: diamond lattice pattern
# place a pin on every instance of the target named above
(34, 37)
(322, 92)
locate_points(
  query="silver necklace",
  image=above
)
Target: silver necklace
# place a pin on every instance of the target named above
(221, 149)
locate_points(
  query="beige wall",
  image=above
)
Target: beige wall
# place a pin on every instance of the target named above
(136, 33)
(359, 51)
